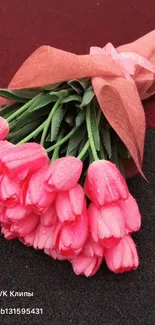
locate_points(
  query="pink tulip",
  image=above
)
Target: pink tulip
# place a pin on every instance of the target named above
(49, 217)
(55, 254)
(5, 230)
(9, 191)
(64, 173)
(4, 145)
(122, 257)
(92, 248)
(86, 265)
(65, 239)
(12, 214)
(72, 237)
(131, 213)
(43, 237)
(25, 226)
(107, 224)
(23, 160)
(4, 128)
(17, 221)
(3, 218)
(35, 194)
(21, 227)
(104, 183)
(17, 212)
(45, 234)
(69, 205)
(90, 258)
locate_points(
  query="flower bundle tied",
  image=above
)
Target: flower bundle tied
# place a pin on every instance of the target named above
(68, 125)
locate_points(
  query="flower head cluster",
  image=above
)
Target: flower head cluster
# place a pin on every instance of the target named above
(113, 215)
(43, 205)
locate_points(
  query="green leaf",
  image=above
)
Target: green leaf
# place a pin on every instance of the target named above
(7, 110)
(30, 116)
(123, 151)
(51, 87)
(59, 94)
(80, 118)
(91, 158)
(43, 101)
(69, 119)
(48, 98)
(20, 96)
(56, 122)
(121, 167)
(79, 85)
(114, 156)
(73, 152)
(32, 111)
(27, 93)
(94, 128)
(88, 96)
(12, 95)
(20, 134)
(71, 99)
(82, 143)
(76, 139)
(106, 140)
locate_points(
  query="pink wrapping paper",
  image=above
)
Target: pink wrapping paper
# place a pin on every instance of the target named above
(119, 98)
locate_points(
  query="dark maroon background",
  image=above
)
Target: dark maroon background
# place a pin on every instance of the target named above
(69, 25)
(106, 299)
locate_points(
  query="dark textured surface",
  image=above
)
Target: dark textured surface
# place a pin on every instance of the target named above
(105, 299)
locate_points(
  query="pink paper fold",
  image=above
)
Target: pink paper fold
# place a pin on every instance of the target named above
(119, 98)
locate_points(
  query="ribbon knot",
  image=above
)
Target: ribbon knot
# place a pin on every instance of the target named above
(128, 61)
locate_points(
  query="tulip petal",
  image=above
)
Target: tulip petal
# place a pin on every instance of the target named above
(49, 217)
(35, 193)
(122, 257)
(22, 160)
(26, 225)
(131, 213)
(114, 220)
(64, 207)
(17, 212)
(104, 183)
(65, 173)
(94, 215)
(9, 191)
(76, 195)
(4, 128)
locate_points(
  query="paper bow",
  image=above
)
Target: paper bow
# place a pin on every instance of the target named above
(119, 95)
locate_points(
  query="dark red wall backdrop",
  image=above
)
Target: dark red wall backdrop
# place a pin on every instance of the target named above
(70, 25)
(106, 299)
(67, 24)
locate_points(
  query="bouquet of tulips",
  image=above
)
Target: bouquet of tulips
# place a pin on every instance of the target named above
(68, 126)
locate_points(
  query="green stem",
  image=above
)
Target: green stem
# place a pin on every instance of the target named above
(102, 155)
(23, 108)
(59, 143)
(99, 115)
(48, 121)
(90, 135)
(56, 150)
(84, 150)
(33, 134)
